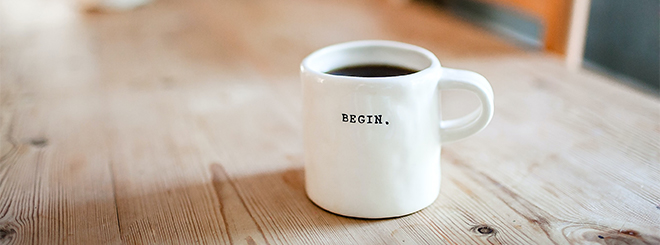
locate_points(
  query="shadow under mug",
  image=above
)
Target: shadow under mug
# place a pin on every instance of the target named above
(372, 144)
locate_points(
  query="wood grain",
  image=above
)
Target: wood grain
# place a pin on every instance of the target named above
(179, 123)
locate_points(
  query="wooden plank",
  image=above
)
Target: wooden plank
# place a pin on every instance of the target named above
(55, 184)
(178, 123)
(562, 135)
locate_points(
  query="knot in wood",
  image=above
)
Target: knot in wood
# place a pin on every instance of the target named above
(6, 233)
(629, 232)
(483, 229)
(39, 142)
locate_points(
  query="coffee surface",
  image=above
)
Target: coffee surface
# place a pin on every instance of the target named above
(372, 70)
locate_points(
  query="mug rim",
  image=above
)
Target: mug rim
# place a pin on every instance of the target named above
(434, 62)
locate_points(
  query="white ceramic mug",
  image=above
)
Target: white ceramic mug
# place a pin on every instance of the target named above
(361, 167)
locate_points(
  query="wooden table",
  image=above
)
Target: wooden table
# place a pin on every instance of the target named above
(180, 122)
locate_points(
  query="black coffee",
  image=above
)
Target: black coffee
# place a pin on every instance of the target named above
(372, 70)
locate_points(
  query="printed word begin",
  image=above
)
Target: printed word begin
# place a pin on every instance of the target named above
(362, 119)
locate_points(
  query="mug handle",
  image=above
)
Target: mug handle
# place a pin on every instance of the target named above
(457, 129)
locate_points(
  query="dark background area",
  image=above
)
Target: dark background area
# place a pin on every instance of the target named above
(623, 37)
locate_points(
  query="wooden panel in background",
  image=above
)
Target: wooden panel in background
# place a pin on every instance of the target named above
(554, 15)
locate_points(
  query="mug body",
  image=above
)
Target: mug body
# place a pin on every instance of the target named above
(372, 145)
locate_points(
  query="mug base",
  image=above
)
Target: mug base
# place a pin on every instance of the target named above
(368, 217)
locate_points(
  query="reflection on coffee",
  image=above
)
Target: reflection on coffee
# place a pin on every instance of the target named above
(372, 70)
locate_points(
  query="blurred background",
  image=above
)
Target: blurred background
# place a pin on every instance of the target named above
(617, 38)
(621, 38)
